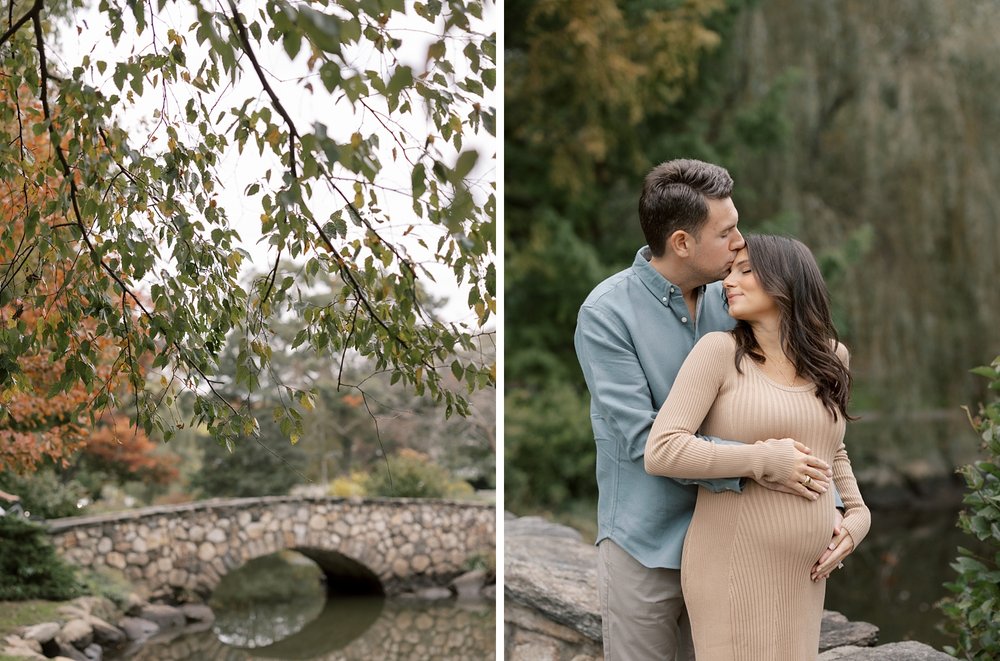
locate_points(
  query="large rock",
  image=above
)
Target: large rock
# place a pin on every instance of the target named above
(106, 634)
(905, 651)
(198, 613)
(550, 584)
(43, 632)
(17, 646)
(138, 629)
(470, 584)
(78, 633)
(549, 569)
(838, 631)
(165, 617)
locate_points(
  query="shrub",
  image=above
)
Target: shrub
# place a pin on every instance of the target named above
(974, 610)
(44, 494)
(346, 486)
(29, 566)
(412, 475)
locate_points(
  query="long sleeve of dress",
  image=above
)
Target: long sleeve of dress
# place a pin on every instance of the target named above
(857, 516)
(673, 449)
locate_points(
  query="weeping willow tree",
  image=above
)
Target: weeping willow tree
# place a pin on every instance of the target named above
(858, 130)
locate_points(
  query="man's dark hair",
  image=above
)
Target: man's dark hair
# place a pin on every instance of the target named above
(673, 198)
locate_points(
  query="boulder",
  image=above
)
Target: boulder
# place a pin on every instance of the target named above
(838, 631)
(101, 607)
(21, 653)
(133, 604)
(138, 629)
(17, 646)
(43, 632)
(77, 633)
(909, 650)
(470, 584)
(549, 569)
(197, 613)
(105, 634)
(165, 617)
(94, 652)
(64, 649)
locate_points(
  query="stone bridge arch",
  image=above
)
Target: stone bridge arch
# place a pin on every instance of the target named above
(181, 552)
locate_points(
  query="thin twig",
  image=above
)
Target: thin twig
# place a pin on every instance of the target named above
(68, 173)
(31, 14)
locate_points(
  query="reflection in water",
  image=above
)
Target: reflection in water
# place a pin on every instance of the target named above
(260, 624)
(404, 630)
(341, 620)
(278, 607)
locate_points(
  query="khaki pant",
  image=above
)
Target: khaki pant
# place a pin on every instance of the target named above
(642, 609)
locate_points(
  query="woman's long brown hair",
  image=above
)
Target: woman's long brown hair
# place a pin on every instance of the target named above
(788, 273)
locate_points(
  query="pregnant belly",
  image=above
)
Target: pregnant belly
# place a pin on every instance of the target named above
(774, 525)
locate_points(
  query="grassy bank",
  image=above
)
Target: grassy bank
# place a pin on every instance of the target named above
(14, 614)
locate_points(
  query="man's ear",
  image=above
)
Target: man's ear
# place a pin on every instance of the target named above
(680, 242)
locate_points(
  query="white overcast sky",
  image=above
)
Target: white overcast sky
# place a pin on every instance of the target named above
(237, 171)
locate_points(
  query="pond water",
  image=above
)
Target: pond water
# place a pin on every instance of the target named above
(345, 629)
(278, 607)
(898, 573)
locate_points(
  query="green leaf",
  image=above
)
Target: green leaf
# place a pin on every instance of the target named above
(329, 74)
(401, 78)
(466, 161)
(292, 43)
(418, 179)
(322, 29)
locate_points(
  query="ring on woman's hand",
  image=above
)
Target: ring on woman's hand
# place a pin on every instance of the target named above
(806, 481)
(840, 565)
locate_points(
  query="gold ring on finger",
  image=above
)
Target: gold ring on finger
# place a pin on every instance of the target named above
(806, 481)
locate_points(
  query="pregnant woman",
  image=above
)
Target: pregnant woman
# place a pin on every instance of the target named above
(751, 573)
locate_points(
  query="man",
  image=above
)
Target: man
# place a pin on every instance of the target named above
(633, 333)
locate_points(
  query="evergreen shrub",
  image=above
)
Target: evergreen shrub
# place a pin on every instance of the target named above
(29, 566)
(973, 611)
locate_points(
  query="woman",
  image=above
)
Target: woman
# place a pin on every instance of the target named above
(749, 569)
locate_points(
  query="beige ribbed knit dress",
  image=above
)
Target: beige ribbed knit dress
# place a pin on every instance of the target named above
(747, 557)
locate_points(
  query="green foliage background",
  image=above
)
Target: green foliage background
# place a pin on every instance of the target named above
(636, 88)
(881, 170)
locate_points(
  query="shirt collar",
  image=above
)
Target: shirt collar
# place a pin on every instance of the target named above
(653, 280)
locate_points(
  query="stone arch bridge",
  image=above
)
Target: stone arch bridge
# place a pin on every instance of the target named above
(380, 545)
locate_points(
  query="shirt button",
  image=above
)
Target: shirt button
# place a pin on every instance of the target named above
(664, 299)
(684, 320)
(671, 290)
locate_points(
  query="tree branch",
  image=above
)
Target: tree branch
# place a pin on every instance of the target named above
(31, 14)
(74, 193)
(275, 101)
(293, 134)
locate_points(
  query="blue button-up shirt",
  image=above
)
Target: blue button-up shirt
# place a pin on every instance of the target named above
(632, 334)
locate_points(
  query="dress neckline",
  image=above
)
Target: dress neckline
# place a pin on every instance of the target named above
(805, 387)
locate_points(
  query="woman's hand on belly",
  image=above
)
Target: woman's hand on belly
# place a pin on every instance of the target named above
(833, 557)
